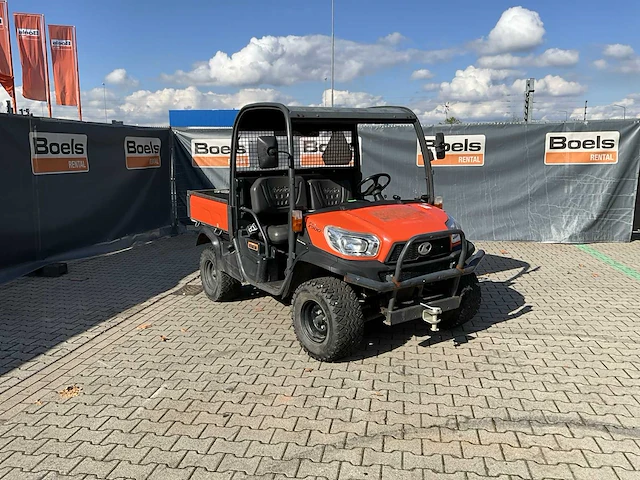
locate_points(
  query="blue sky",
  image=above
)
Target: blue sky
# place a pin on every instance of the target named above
(472, 55)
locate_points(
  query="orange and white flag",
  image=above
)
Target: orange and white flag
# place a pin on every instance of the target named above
(64, 59)
(33, 55)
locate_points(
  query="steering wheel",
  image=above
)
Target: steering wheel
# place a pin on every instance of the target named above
(376, 187)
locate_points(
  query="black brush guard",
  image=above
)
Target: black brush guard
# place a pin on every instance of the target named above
(464, 266)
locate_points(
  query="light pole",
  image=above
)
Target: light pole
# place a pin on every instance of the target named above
(624, 110)
(566, 114)
(585, 111)
(104, 90)
(333, 50)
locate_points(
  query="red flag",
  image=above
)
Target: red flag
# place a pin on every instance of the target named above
(6, 66)
(33, 55)
(64, 57)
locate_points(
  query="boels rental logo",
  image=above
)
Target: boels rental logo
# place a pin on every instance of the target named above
(216, 153)
(312, 150)
(460, 151)
(142, 152)
(581, 148)
(53, 153)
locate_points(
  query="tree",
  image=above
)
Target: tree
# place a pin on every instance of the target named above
(451, 121)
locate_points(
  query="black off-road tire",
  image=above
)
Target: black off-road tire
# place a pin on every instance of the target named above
(471, 293)
(218, 285)
(342, 316)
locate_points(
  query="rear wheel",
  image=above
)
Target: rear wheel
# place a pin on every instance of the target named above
(327, 318)
(471, 293)
(218, 285)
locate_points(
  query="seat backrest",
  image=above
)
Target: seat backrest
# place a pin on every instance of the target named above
(270, 195)
(328, 193)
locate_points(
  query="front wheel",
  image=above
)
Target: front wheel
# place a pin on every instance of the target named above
(471, 293)
(327, 318)
(217, 285)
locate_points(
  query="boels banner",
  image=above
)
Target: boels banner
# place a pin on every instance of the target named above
(216, 153)
(460, 151)
(581, 148)
(53, 153)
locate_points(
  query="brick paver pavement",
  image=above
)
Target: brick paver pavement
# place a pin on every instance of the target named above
(544, 383)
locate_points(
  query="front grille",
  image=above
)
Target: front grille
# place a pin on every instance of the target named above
(439, 246)
(410, 272)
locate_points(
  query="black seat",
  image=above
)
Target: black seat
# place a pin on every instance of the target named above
(328, 193)
(270, 201)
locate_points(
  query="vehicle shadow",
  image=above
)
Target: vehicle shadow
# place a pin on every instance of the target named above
(46, 317)
(501, 303)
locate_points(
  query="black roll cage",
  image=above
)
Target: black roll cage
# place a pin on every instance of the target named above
(351, 116)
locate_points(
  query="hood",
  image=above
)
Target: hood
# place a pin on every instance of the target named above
(390, 223)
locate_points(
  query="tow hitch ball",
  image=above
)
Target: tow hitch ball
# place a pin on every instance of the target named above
(431, 315)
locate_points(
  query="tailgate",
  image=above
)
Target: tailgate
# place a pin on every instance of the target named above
(208, 209)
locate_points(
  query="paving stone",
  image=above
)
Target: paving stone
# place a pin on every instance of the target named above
(233, 463)
(96, 452)
(157, 456)
(162, 472)
(128, 470)
(89, 466)
(59, 465)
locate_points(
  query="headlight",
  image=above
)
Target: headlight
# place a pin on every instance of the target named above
(352, 243)
(452, 224)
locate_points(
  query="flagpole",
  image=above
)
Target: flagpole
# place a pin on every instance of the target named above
(333, 43)
(46, 63)
(13, 78)
(75, 46)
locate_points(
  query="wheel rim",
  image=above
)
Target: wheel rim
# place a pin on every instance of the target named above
(314, 321)
(210, 278)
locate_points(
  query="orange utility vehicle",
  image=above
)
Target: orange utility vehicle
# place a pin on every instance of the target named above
(300, 223)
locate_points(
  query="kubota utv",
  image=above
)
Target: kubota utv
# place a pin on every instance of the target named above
(300, 223)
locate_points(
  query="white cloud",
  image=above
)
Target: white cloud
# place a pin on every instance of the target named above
(394, 38)
(422, 74)
(600, 64)
(345, 98)
(618, 51)
(429, 87)
(432, 112)
(292, 59)
(553, 86)
(630, 66)
(518, 29)
(622, 59)
(472, 84)
(120, 77)
(147, 106)
(475, 84)
(553, 57)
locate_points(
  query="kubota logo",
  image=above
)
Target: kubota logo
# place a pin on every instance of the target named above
(460, 151)
(28, 32)
(60, 43)
(58, 153)
(216, 153)
(581, 148)
(142, 152)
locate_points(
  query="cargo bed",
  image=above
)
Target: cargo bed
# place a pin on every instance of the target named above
(209, 207)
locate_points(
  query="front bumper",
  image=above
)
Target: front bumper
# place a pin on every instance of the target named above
(464, 266)
(444, 302)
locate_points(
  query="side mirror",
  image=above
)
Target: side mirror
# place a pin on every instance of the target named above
(440, 149)
(267, 152)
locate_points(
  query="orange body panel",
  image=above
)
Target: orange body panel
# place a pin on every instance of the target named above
(390, 223)
(209, 212)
